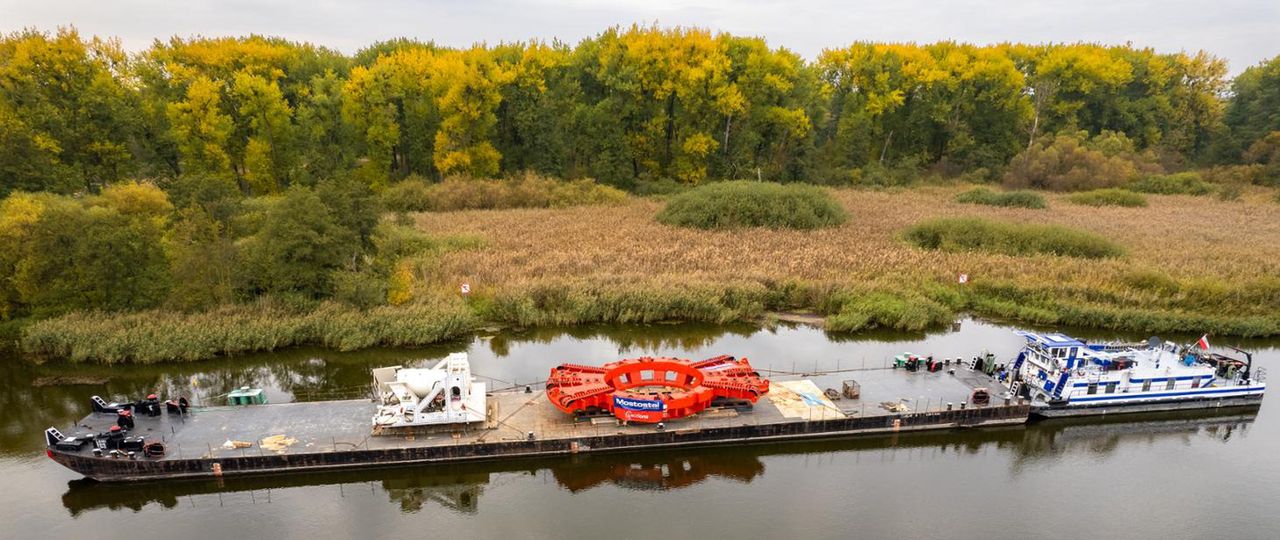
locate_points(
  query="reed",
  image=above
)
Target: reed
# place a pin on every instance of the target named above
(1176, 265)
(1184, 183)
(1012, 199)
(587, 264)
(1109, 197)
(265, 325)
(743, 204)
(1006, 238)
(528, 190)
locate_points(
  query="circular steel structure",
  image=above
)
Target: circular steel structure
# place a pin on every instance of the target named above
(653, 389)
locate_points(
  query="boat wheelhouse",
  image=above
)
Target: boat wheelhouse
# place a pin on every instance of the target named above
(1065, 376)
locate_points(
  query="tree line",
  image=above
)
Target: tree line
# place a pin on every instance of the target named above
(625, 107)
(203, 172)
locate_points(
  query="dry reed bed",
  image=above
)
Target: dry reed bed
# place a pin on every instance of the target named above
(1185, 237)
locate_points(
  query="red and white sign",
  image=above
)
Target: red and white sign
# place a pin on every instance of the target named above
(964, 278)
(466, 288)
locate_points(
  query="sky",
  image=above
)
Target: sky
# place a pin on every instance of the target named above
(1244, 32)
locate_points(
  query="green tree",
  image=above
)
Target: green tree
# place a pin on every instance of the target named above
(270, 153)
(298, 243)
(467, 94)
(202, 260)
(201, 129)
(1254, 108)
(67, 118)
(328, 142)
(92, 258)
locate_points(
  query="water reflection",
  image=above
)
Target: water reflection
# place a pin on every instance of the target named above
(863, 473)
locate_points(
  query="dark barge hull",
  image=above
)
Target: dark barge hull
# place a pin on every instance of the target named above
(123, 469)
(1204, 404)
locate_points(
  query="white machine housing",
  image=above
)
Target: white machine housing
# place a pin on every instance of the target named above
(441, 395)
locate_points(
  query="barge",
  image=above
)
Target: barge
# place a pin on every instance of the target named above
(435, 419)
(1064, 376)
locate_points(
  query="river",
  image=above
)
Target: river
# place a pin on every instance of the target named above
(1169, 476)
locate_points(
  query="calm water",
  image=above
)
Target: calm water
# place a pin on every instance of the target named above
(1152, 476)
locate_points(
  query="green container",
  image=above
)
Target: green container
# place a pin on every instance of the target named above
(247, 396)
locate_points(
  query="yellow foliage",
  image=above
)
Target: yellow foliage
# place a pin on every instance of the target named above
(136, 199)
(17, 212)
(400, 288)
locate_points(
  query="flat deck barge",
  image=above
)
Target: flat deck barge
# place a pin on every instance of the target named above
(331, 435)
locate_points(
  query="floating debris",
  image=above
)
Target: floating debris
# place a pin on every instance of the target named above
(277, 443)
(63, 380)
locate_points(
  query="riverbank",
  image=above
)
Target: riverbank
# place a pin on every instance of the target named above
(1191, 264)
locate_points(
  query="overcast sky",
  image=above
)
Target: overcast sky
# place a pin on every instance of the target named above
(1242, 31)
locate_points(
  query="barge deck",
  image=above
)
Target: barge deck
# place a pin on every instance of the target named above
(333, 435)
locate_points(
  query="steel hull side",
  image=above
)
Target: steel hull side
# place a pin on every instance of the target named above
(1101, 409)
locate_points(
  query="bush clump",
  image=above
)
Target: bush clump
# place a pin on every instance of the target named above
(1183, 183)
(977, 234)
(1075, 162)
(414, 194)
(739, 204)
(1109, 197)
(1013, 199)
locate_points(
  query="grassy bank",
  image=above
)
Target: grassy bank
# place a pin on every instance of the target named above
(160, 336)
(533, 267)
(1008, 238)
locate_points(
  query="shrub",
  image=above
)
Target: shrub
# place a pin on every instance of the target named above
(875, 174)
(135, 199)
(1069, 162)
(729, 205)
(217, 194)
(888, 310)
(1018, 199)
(1230, 192)
(1109, 197)
(360, 289)
(413, 194)
(526, 191)
(1234, 174)
(664, 186)
(977, 234)
(1266, 153)
(1183, 183)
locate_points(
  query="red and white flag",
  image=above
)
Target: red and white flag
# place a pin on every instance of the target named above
(1204, 342)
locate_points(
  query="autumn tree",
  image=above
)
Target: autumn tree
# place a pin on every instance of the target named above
(1254, 110)
(67, 118)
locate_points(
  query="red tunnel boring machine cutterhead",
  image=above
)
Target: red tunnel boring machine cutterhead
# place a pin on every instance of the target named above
(653, 389)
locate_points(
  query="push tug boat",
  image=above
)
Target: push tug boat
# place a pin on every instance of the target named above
(1065, 376)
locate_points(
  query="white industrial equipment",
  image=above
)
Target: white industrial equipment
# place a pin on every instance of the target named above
(441, 395)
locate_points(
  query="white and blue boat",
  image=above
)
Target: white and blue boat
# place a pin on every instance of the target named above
(1065, 376)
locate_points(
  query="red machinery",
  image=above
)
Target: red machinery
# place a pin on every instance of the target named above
(653, 389)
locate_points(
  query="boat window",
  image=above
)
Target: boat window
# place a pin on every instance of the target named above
(1111, 387)
(1093, 388)
(646, 375)
(1195, 382)
(1172, 381)
(1146, 385)
(672, 375)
